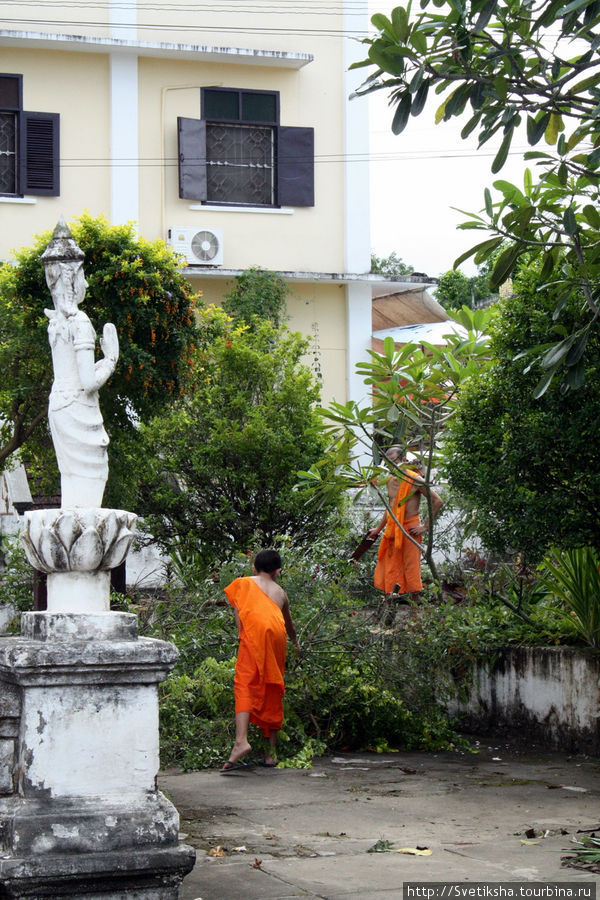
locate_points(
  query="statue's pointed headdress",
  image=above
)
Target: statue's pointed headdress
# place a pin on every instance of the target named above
(62, 245)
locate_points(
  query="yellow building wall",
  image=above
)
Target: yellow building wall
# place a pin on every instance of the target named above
(318, 311)
(303, 239)
(299, 239)
(45, 18)
(261, 25)
(73, 85)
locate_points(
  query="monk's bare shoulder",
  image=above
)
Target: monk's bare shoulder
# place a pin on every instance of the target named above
(272, 590)
(282, 599)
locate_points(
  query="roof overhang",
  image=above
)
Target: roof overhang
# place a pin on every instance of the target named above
(380, 284)
(191, 52)
(429, 332)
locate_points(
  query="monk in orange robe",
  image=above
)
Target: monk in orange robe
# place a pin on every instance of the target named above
(398, 567)
(262, 614)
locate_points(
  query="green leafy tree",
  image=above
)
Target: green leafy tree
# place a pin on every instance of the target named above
(222, 461)
(455, 289)
(527, 469)
(501, 64)
(390, 265)
(257, 294)
(415, 392)
(136, 285)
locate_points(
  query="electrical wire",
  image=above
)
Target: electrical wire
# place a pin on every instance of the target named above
(187, 27)
(173, 162)
(284, 7)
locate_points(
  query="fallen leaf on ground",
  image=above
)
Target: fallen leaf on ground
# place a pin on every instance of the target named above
(414, 851)
(257, 863)
(240, 849)
(217, 851)
(529, 842)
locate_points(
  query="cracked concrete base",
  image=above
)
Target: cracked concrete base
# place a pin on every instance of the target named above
(311, 830)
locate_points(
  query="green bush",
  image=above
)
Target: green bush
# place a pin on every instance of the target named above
(16, 575)
(196, 719)
(573, 577)
(257, 294)
(359, 684)
(222, 461)
(350, 688)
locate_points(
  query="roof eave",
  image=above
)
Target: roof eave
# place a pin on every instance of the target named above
(193, 52)
(376, 281)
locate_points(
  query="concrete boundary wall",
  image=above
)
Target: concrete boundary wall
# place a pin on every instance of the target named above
(546, 694)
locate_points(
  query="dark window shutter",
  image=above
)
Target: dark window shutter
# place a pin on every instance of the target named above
(191, 144)
(39, 154)
(295, 166)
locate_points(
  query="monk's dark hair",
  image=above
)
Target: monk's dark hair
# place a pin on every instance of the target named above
(267, 561)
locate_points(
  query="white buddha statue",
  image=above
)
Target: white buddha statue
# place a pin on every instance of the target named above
(78, 434)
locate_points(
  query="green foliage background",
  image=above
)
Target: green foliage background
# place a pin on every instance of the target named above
(500, 66)
(455, 289)
(222, 461)
(348, 689)
(527, 469)
(361, 682)
(390, 265)
(257, 295)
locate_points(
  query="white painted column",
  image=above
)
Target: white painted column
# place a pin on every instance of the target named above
(124, 143)
(358, 338)
(357, 233)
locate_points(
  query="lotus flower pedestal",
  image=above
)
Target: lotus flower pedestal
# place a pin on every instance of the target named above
(80, 813)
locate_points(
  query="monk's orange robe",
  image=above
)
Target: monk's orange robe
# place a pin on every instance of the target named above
(258, 683)
(398, 559)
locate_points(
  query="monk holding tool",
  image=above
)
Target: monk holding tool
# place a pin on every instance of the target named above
(262, 615)
(398, 569)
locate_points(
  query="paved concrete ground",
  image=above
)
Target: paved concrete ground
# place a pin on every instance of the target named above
(298, 833)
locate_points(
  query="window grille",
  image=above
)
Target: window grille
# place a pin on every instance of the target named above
(8, 153)
(240, 162)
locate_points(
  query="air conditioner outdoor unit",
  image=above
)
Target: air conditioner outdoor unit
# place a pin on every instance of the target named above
(201, 246)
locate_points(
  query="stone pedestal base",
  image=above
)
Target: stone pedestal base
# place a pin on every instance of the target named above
(80, 813)
(141, 875)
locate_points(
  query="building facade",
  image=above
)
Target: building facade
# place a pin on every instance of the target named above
(227, 131)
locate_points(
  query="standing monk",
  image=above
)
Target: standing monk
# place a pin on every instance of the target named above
(398, 567)
(262, 615)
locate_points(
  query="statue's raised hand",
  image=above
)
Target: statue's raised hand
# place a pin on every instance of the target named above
(109, 342)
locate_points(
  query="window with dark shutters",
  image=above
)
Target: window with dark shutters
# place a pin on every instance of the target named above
(40, 154)
(295, 166)
(191, 141)
(29, 144)
(239, 155)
